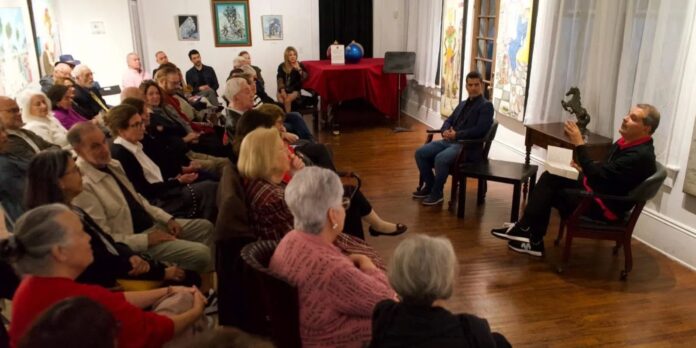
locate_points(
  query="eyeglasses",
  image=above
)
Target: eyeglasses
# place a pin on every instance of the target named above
(12, 111)
(345, 203)
(136, 124)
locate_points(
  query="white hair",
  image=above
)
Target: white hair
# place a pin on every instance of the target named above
(247, 69)
(309, 195)
(233, 86)
(239, 61)
(80, 69)
(422, 269)
(24, 102)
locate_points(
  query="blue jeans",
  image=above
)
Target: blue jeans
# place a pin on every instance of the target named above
(438, 155)
(295, 124)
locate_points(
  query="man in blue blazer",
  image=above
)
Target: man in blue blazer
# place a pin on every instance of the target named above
(471, 119)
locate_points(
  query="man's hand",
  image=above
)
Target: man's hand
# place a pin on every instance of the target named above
(573, 133)
(174, 227)
(158, 237)
(203, 88)
(362, 262)
(193, 167)
(138, 266)
(576, 166)
(290, 138)
(191, 137)
(174, 273)
(449, 134)
(187, 178)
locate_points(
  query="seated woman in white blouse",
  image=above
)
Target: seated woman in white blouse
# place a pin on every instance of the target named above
(38, 117)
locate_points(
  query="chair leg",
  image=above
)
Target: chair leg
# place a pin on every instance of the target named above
(629, 259)
(561, 229)
(453, 191)
(566, 253)
(481, 192)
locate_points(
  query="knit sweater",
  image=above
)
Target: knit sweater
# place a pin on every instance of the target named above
(336, 298)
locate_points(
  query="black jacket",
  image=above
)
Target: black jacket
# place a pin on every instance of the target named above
(165, 190)
(209, 78)
(85, 105)
(409, 325)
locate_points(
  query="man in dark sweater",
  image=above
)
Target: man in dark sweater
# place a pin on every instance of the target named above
(471, 119)
(631, 161)
(202, 78)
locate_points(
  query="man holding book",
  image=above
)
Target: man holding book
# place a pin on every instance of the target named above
(631, 160)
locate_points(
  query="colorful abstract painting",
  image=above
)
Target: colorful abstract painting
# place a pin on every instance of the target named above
(17, 56)
(513, 47)
(452, 49)
(47, 39)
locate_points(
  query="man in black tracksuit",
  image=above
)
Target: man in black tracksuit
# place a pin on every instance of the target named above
(631, 161)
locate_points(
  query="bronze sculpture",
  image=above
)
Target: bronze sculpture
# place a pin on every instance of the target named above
(574, 106)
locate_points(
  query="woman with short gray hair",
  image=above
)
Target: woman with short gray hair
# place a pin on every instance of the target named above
(422, 272)
(50, 248)
(337, 292)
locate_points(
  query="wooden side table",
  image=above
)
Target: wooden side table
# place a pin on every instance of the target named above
(552, 134)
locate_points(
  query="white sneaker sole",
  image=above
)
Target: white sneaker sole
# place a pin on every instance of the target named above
(506, 236)
(439, 201)
(526, 251)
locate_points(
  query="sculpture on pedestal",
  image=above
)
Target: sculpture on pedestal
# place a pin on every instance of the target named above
(574, 106)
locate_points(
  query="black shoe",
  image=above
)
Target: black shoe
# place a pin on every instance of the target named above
(420, 193)
(399, 230)
(529, 248)
(511, 231)
(431, 200)
(212, 306)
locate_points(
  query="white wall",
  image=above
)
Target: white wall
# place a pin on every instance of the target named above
(388, 26)
(104, 54)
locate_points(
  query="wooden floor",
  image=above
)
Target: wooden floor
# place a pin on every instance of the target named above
(522, 297)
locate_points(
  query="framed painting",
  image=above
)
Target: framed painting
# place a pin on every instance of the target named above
(272, 26)
(187, 28)
(46, 34)
(451, 52)
(231, 23)
(18, 63)
(513, 57)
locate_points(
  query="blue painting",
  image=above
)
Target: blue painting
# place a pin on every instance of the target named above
(17, 59)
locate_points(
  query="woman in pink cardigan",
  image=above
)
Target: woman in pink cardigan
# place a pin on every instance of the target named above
(337, 292)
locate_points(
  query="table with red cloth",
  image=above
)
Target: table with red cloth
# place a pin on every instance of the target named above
(364, 79)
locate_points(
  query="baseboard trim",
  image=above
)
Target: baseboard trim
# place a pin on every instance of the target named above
(675, 240)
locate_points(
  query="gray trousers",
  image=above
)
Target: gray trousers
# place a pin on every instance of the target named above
(192, 248)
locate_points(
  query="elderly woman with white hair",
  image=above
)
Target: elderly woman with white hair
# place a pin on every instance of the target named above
(38, 117)
(422, 271)
(337, 292)
(50, 249)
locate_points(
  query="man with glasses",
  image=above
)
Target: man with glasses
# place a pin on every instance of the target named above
(21, 143)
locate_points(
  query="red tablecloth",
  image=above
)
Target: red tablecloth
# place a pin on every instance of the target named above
(365, 80)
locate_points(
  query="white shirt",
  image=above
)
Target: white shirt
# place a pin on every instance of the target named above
(152, 171)
(48, 128)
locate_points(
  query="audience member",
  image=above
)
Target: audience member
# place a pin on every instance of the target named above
(260, 83)
(13, 172)
(38, 117)
(135, 73)
(631, 160)
(76, 322)
(160, 58)
(338, 312)
(240, 99)
(87, 96)
(291, 74)
(111, 200)
(62, 70)
(202, 79)
(182, 195)
(471, 119)
(50, 249)
(21, 143)
(62, 101)
(423, 271)
(55, 178)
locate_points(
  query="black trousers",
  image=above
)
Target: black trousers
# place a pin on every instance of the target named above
(359, 207)
(549, 193)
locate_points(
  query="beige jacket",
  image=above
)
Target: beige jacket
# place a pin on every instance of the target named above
(103, 200)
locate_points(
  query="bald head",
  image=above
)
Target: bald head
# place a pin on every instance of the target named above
(62, 71)
(10, 117)
(131, 92)
(133, 61)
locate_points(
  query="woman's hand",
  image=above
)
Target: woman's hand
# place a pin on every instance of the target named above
(362, 262)
(296, 163)
(174, 273)
(187, 179)
(138, 266)
(289, 137)
(193, 167)
(191, 137)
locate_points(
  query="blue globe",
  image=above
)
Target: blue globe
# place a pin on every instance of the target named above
(354, 51)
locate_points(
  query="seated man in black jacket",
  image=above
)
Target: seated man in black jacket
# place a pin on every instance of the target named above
(202, 79)
(471, 119)
(631, 161)
(87, 96)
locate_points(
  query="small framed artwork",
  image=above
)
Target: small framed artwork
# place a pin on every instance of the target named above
(272, 27)
(187, 27)
(231, 23)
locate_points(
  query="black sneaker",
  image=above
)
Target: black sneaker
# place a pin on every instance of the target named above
(529, 248)
(432, 200)
(510, 231)
(422, 193)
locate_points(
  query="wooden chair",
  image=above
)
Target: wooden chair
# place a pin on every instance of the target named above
(578, 225)
(279, 299)
(308, 105)
(483, 143)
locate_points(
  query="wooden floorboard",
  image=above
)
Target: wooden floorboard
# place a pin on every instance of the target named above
(522, 297)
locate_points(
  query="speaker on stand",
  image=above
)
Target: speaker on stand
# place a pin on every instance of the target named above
(400, 63)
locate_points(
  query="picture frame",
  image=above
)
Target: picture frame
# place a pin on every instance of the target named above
(272, 27)
(187, 28)
(46, 34)
(231, 25)
(19, 64)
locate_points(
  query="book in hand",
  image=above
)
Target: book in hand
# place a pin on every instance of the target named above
(558, 162)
